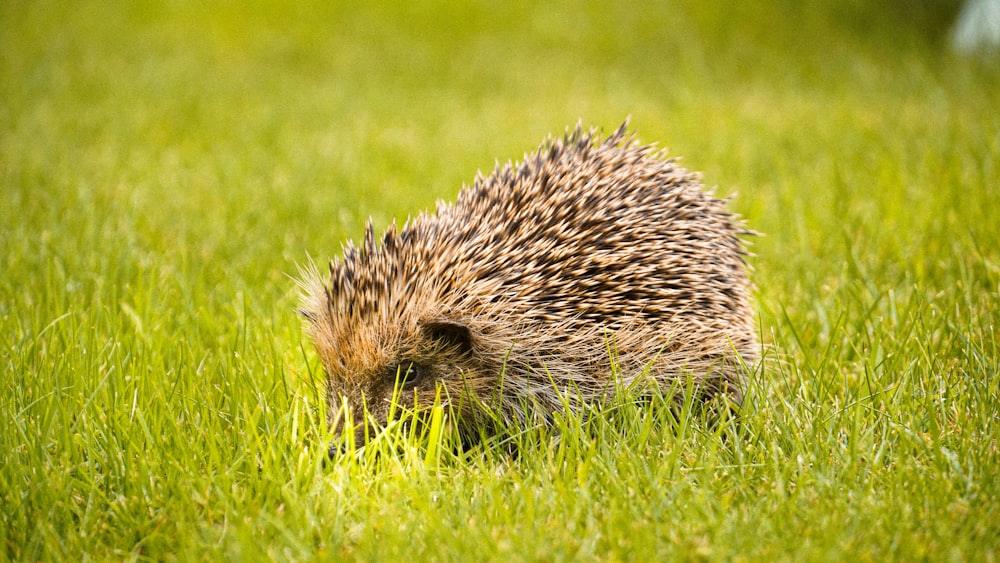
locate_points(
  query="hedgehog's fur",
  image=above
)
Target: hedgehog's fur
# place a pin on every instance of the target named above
(540, 277)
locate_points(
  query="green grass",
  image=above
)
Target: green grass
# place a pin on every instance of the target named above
(165, 168)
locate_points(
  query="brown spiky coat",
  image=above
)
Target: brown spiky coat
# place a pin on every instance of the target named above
(528, 288)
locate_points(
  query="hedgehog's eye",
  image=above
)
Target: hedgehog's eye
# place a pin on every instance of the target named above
(407, 374)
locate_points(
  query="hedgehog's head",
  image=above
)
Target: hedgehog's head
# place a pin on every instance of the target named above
(383, 342)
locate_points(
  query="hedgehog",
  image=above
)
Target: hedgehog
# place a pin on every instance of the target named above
(596, 264)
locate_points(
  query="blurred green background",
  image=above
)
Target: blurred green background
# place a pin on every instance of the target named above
(233, 141)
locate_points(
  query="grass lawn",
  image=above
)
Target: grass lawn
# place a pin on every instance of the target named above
(165, 168)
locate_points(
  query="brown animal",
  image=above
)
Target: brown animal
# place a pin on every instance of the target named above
(525, 292)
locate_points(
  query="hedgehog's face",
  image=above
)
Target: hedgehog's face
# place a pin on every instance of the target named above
(372, 373)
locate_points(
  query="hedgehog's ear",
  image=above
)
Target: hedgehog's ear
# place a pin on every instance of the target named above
(450, 334)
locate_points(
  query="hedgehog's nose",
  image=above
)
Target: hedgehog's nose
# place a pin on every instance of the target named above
(339, 446)
(337, 449)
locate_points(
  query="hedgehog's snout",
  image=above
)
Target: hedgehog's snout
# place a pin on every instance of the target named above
(339, 446)
(361, 428)
(337, 449)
